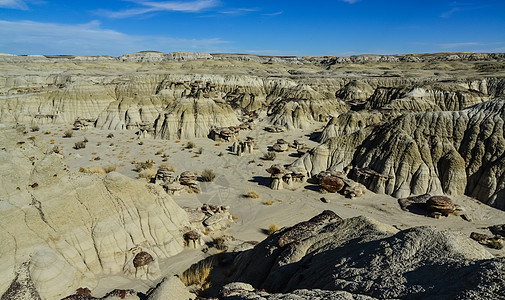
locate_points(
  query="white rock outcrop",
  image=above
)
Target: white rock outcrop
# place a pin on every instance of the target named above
(71, 228)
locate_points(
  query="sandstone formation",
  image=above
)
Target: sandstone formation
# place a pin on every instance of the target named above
(358, 258)
(453, 153)
(184, 95)
(62, 230)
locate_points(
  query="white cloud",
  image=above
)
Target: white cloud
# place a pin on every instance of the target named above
(450, 12)
(15, 4)
(238, 11)
(274, 14)
(350, 1)
(150, 6)
(28, 37)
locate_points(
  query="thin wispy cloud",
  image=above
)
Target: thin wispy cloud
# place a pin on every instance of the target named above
(28, 37)
(151, 7)
(14, 4)
(238, 11)
(350, 1)
(456, 7)
(275, 13)
(450, 12)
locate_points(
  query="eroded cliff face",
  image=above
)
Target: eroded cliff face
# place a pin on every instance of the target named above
(62, 230)
(452, 152)
(147, 89)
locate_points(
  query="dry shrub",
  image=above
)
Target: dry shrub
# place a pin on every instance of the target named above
(140, 166)
(198, 274)
(273, 228)
(68, 133)
(110, 168)
(268, 202)
(168, 167)
(190, 145)
(269, 156)
(252, 194)
(34, 128)
(159, 152)
(208, 175)
(96, 170)
(147, 173)
(80, 145)
(110, 135)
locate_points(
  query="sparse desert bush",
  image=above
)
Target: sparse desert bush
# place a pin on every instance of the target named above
(34, 128)
(168, 167)
(99, 143)
(269, 156)
(495, 244)
(140, 166)
(68, 133)
(85, 139)
(198, 274)
(218, 144)
(141, 143)
(208, 175)
(252, 194)
(219, 243)
(80, 145)
(47, 132)
(190, 145)
(110, 168)
(110, 135)
(159, 152)
(268, 202)
(147, 173)
(96, 170)
(200, 150)
(220, 154)
(273, 228)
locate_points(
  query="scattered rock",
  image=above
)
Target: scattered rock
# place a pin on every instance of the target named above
(141, 259)
(275, 128)
(281, 146)
(332, 184)
(440, 204)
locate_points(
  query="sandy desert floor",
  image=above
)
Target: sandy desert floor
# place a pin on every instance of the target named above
(237, 175)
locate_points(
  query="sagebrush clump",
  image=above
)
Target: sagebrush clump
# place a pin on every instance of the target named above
(208, 175)
(273, 228)
(68, 133)
(252, 194)
(269, 156)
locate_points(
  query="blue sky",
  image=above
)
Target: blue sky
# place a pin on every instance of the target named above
(275, 27)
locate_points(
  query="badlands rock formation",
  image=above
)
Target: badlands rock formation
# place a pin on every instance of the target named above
(62, 230)
(169, 93)
(360, 258)
(453, 153)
